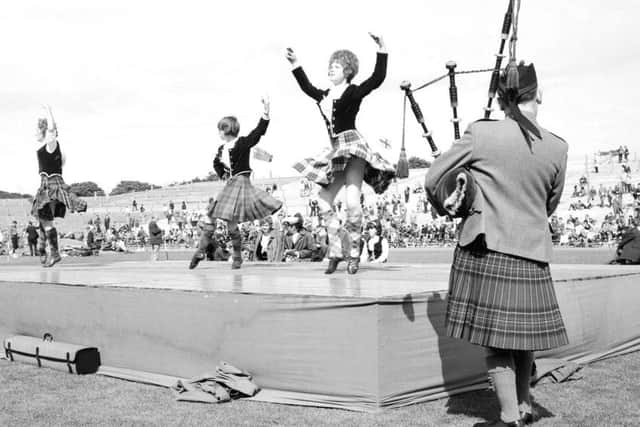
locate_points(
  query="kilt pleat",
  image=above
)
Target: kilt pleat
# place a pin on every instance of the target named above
(502, 301)
(378, 173)
(240, 201)
(53, 199)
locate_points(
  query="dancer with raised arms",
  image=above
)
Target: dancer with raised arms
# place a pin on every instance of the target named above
(349, 160)
(239, 201)
(52, 198)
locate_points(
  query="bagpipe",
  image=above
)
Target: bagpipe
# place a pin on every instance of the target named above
(456, 190)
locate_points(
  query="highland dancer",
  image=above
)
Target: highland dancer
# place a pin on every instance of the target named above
(239, 201)
(52, 198)
(350, 159)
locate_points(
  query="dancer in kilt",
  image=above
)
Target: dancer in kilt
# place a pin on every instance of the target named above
(501, 294)
(239, 201)
(349, 159)
(52, 198)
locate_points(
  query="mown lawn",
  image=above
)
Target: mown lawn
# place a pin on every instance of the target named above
(607, 395)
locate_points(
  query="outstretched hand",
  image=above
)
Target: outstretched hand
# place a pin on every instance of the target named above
(291, 56)
(266, 105)
(378, 39)
(49, 116)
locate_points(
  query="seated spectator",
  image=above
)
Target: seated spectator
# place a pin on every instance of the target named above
(120, 246)
(321, 238)
(376, 249)
(269, 243)
(220, 250)
(298, 243)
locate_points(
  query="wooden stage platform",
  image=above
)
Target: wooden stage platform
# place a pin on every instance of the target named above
(365, 342)
(305, 278)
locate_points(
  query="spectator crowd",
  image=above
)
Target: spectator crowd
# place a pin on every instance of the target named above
(400, 218)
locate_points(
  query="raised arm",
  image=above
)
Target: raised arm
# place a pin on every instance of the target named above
(301, 77)
(254, 136)
(379, 71)
(51, 132)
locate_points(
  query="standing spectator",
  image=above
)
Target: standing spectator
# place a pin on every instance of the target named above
(155, 238)
(32, 238)
(141, 208)
(15, 238)
(407, 192)
(315, 208)
(107, 220)
(134, 205)
(620, 154)
(184, 206)
(501, 294)
(626, 153)
(625, 180)
(142, 238)
(92, 243)
(171, 206)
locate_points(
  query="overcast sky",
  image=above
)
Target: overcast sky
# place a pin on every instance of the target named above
(138, 87)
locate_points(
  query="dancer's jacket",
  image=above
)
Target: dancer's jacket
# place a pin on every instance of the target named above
(518, 186)
(240, 154)
(345, 109)
(50, 163)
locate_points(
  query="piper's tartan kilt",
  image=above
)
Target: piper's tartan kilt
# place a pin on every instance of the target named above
(240, 201)
(503, 301)
(53, 199)
(378, 173)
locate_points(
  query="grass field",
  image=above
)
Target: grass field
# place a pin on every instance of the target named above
(607, 395)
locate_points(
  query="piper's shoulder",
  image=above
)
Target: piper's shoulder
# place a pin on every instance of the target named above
(485, 122)
(558, 136)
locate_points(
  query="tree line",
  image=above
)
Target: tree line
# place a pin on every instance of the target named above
(90, 188)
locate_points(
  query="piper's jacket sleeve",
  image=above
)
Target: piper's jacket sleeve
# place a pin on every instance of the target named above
(558, 185)
(460, 154)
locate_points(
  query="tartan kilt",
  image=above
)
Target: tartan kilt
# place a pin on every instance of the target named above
(502, 301)
(53, 199)
(378, 173)
(240, 201)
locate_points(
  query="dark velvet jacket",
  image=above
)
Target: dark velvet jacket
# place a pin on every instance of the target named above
(347, 106)
(50, 163)
(240, 154)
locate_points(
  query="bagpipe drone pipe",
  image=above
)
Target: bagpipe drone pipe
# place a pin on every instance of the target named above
(456, 190)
